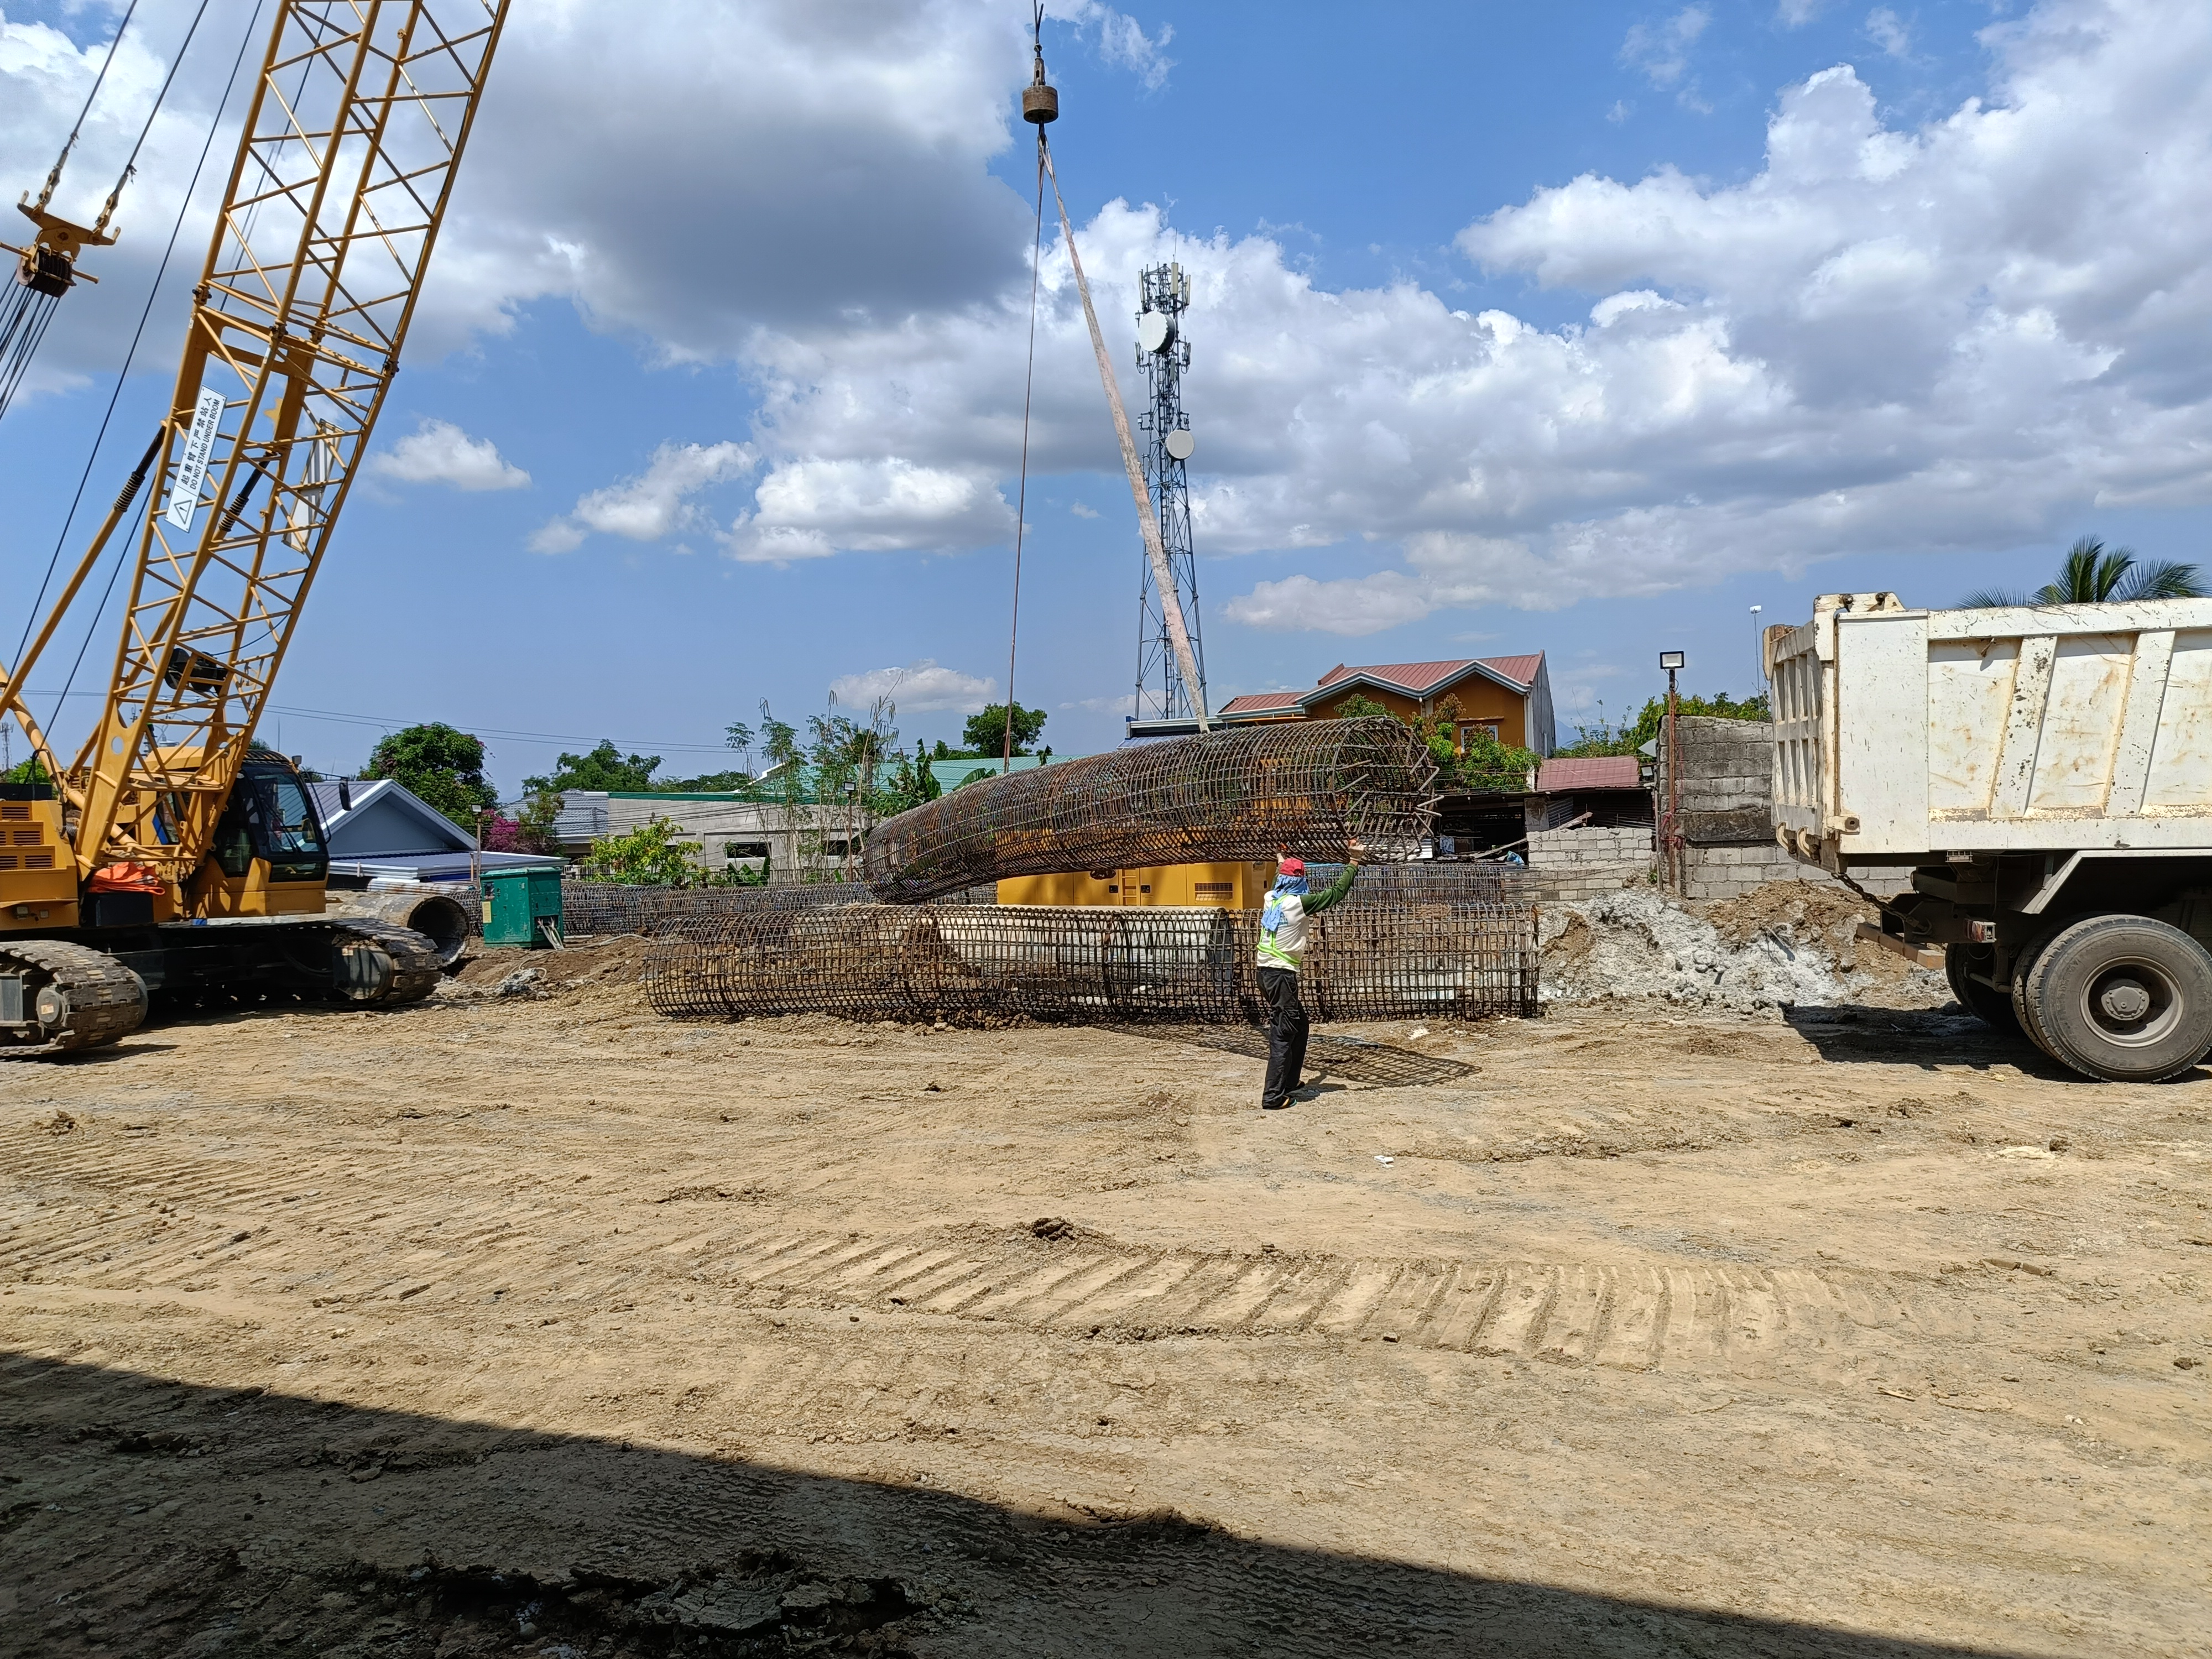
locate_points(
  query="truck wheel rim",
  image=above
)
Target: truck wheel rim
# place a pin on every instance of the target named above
(2131, 1003)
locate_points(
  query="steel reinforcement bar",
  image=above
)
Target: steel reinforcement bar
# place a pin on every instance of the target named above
(597, 907)
(1313, 786)
(1088, 964)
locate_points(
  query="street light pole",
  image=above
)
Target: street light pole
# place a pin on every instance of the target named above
(1671, 836)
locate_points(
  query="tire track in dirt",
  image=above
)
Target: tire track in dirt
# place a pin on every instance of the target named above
(1622, 1316)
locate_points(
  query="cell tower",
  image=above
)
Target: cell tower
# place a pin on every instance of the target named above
(1162, 353)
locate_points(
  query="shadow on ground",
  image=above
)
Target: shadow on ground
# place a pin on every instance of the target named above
(140, 1517)
(1354, 1060)
(1926, 1038)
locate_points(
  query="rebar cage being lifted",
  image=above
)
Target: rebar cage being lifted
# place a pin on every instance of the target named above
(1087, 964)
(1312, 786)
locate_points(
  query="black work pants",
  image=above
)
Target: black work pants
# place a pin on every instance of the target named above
(1287, 1034)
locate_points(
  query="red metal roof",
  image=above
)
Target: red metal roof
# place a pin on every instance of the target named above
(1420, 678)
(1565, 777)
(1417, 679)
(1254, 702)
(1414, 677)
(1521, 671)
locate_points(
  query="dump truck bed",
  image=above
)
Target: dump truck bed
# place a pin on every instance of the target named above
(1903, 735)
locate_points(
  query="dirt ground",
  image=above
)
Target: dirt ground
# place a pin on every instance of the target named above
(536, 1324)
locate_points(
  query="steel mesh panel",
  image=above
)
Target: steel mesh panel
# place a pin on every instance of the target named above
(1097, 964)
(1426, 881)
(1239, 795)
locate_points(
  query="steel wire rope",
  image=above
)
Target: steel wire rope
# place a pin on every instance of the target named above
(54, 177)
(12, 371)
(32, 313)
(130, 165)
(1022, 491)
(184, 207)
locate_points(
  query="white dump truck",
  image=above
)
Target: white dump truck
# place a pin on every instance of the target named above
(2046, 772)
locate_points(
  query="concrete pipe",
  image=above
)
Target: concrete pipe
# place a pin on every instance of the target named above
(442, 918)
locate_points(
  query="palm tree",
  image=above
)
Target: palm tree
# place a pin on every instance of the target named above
(2094, 574)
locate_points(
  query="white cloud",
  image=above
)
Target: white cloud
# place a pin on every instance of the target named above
(1122, 40)
(882, 505)
(1082, 511)
(1449, 569)
(438, 452)
(1662, 50)
(920, 688)
(1949, 335)
(1124, 704)
(1956, 333)
(1796, 14)
(654, 503)
(1888, 31)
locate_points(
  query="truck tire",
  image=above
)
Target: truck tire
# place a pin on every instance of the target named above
(1992, 1007)
(2123, 998)
(2023, 1011)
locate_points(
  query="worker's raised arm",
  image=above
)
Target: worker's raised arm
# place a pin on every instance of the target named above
(1317, 903)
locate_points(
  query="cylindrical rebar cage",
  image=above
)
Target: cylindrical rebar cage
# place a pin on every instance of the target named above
(595, 906)
(1088, 964)
(1313, 786)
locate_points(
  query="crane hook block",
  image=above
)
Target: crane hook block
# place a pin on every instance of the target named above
(1040, 104)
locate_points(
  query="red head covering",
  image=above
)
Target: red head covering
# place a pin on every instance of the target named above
(1289, 865)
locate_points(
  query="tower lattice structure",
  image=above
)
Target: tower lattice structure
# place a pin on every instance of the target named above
(1163, 353)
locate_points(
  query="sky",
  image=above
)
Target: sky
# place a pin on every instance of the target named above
(1574, 329)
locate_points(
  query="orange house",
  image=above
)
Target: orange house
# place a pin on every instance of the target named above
(1511, 695)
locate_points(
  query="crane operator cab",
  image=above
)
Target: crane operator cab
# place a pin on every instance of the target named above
(268, 858)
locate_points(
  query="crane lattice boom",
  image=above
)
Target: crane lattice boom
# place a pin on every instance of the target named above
(358, 121)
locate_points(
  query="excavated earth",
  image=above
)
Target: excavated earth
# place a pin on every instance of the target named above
(532, 1323)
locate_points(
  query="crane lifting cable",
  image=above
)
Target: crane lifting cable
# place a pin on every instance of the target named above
(131, 356)
(1040, 105)
(46, 269)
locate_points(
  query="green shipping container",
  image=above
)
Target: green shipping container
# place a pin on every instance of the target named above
(522, 907)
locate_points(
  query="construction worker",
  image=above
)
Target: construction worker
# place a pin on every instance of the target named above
(1282, 944)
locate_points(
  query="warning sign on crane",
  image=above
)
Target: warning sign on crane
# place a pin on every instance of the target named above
(192, 464)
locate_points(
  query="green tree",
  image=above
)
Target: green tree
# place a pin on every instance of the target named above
(985, 733)
(1489, 767)
(604, 768)
(2092, 574)
(647, 856)
(535, 826)
(909, 783)
(1357, 707)
(443, 766)
(30, 771)
(1604, 739)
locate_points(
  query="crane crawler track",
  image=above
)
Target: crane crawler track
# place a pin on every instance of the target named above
(416, 968)
(107, 1000)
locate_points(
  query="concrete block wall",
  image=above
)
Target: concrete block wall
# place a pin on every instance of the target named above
(1723, 873)
(1579, 863)
(1728, 780)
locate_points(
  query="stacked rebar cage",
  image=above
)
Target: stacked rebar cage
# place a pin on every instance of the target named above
(592, 907)
(1079, 963)
(1418, 940)
(1244, 794)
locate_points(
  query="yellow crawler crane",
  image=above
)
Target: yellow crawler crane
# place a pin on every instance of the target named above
(171, 856)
